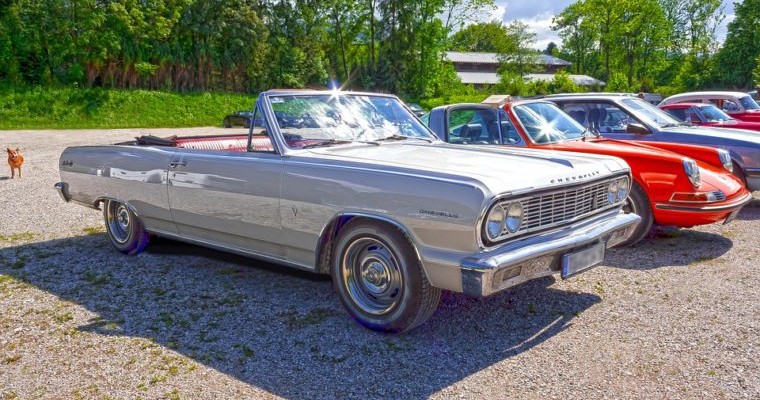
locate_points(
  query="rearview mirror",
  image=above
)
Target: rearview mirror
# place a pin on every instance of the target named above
(637, 129)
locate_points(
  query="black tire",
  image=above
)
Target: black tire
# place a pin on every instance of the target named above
(124, 228)
(638, 203)
(227, 123)
(393, 293)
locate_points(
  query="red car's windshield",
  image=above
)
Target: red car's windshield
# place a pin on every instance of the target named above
(714, 114)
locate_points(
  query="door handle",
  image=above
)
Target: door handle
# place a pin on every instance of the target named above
(175, 164)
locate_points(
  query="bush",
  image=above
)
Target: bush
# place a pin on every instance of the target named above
(72, 108)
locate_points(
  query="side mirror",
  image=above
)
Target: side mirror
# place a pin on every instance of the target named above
(637, 129)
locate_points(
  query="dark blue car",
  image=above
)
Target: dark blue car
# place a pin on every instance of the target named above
(623, 116)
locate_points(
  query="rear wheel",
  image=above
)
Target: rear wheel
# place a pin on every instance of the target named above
(125, 230)
(638, 203)
(379, 279)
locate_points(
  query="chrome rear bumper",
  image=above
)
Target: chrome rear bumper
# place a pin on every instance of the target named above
(63, 190)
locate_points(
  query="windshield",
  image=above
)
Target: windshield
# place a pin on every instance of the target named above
(546, 123)
(714, 114)
(322, 119)
(649, 113)
(748, 103)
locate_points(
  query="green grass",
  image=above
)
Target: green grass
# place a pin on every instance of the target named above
(71, 108)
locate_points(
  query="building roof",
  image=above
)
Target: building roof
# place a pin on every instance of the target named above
(492, 78)
(493, 58)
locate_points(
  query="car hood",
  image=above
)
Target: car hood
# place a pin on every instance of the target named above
(617, 148)
(496, 169)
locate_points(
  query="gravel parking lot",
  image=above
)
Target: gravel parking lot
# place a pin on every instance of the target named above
(675, 317)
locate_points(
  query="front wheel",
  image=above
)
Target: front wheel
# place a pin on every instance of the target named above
(125, 230)
(638, 203)
(379, 279)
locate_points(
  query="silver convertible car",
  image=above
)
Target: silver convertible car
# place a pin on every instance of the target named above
(353, 185)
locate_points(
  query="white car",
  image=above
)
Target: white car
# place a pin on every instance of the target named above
(739, 105)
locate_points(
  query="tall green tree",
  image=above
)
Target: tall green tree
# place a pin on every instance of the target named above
(739, 54)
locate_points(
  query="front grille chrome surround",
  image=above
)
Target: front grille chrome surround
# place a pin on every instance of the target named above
(550, 209)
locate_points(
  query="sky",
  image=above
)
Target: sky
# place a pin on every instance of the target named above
(538, 15)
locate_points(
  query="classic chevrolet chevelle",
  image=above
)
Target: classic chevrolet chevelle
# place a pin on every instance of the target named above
(354, 186)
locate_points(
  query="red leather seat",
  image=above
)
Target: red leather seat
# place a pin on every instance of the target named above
(225, 143)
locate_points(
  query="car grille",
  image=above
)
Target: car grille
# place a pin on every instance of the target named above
(546, 210)
(556, 208)
(719, 196)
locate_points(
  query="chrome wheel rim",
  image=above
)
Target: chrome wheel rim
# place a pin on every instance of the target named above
(372, 276)
(119, 221)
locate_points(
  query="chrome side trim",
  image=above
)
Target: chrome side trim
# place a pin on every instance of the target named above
(234, 250)
(726, 207)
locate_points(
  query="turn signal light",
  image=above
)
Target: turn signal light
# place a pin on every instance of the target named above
(699, 197)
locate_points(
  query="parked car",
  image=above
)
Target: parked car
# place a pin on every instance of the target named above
(699, 189)
(705, 114)
(368, 195)
(416, 109)
(238, 118)
(739, 105)
(646, 122)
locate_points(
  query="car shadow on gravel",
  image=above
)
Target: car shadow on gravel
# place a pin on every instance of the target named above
(282, 330)
(750, 212)
(667, 247)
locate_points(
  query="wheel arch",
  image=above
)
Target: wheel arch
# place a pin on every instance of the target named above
(333, 228)
(102, 199)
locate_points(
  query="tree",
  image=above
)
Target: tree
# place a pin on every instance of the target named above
(738, 57)
(523, 59)
(551, 49)
(489, 37)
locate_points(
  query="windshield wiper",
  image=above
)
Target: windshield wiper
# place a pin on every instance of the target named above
(325, 143)
(402, 137)
(587, 133)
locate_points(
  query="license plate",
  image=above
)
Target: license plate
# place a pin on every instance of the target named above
(579, 261)
(731, 216)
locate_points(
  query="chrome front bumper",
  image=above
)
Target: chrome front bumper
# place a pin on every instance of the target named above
(540, 255)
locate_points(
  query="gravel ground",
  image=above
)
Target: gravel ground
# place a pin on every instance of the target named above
(675, 317)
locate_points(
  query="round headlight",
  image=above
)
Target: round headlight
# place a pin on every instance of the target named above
(612, 191)
(692, 171)
(495, 223)
(725, 159)
(622, 189)
(514, 217)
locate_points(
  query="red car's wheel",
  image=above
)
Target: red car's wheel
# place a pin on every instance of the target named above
(638, 203)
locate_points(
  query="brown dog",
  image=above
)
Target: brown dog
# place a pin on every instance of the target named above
(15, 160)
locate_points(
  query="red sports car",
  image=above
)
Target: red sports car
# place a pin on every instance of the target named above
(674, 184)
(705, 114)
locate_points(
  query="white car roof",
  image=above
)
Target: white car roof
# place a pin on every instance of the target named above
(703, 95)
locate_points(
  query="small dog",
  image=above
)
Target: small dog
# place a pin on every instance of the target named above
(15, 160)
